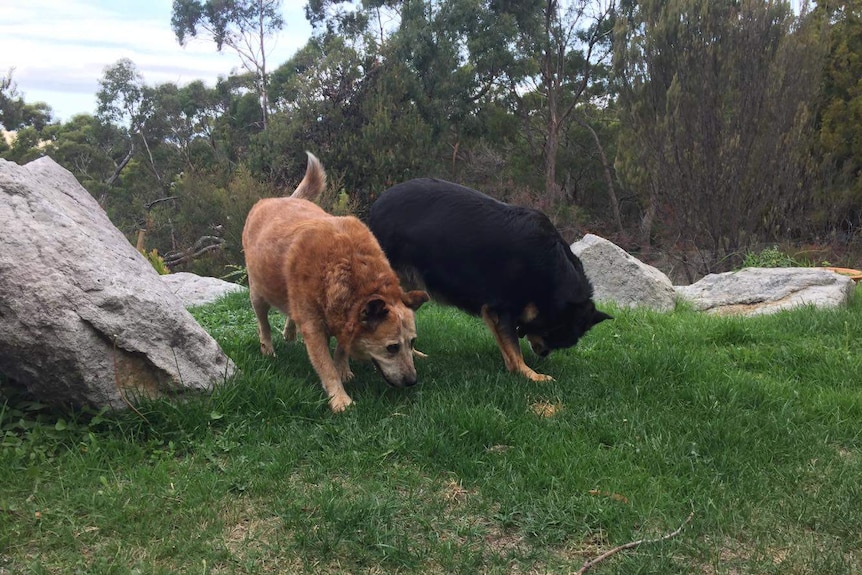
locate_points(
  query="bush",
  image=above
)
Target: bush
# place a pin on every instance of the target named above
(771, 257)
(156, 261)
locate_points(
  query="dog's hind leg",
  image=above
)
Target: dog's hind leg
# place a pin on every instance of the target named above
(503, 329)
(261, 311)
(289, 331)
(317, 345)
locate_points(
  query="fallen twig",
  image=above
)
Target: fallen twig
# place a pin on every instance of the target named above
(631, 544)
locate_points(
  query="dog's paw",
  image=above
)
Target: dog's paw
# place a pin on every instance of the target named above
(533, 376)
(267, 349)
(339, 403)
(345, 374)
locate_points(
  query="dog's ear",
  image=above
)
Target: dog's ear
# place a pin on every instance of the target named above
(414, 299)
(373, 312)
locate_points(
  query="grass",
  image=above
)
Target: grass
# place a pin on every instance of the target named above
(754, 424)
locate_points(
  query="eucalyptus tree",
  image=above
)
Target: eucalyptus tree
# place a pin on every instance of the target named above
(17, 113)
(566, 48)
(718, 98)
(436, 64)
(123, 100)
(840, 117)
(242, 25)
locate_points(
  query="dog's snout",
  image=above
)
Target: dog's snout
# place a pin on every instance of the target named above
(411, 381)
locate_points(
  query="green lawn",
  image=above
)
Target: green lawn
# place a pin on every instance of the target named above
(755, 425)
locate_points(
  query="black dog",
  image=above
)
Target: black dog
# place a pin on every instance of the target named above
(505, 263)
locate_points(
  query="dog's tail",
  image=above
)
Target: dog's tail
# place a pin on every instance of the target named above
(314, 182)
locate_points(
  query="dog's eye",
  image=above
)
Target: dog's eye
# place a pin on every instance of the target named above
(393, 348)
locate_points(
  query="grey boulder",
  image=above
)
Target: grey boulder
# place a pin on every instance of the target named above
(84, 318)
(194, 290)
(620, 278)
(757, 291)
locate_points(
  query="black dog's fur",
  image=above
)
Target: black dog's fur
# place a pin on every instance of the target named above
(505, 263)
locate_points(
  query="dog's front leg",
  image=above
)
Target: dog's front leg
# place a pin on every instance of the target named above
(317, 345)
(503, 329)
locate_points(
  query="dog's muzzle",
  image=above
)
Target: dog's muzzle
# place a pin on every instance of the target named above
(405, 382)
(538, 346)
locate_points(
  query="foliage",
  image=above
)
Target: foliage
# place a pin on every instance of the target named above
(840, 118)
(713, 93)
(15, 113)
(157, 261)
(687, 144)
(241, 25)
(237, 274)
(771, 257)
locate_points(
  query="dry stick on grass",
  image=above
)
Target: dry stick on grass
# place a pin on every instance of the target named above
(631, 544)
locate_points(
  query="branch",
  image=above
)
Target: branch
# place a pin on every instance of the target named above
(115, 176)
(150, 205)
(632, 544)
(176, 258)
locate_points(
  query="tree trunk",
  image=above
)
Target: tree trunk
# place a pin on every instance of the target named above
(264, 97)
(647, 222)
(612, 195)
(116, 175)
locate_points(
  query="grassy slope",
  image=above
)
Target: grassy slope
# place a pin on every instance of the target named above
(753, 423)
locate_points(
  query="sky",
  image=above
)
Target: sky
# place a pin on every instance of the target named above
(59, 49)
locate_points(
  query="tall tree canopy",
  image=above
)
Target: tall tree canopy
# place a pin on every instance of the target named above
(241, 25)
(719, 103)
(841, 116)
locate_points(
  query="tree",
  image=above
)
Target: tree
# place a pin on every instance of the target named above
(88, 148)
(241, 25)
(15, 113)
(840, 117)
(718, 101)
(567, 43)
(121, 101)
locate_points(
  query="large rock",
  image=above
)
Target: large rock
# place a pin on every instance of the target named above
(84, 318)
(194, 290)
(621, 278)
(755, 291)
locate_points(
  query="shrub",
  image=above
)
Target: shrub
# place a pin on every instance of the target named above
(156, 261)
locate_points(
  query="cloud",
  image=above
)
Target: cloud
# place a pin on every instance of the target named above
(59, 50)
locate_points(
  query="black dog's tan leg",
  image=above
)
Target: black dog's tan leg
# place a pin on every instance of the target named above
(342, 364)
(507, 340)
(264, 332)
(317, 345)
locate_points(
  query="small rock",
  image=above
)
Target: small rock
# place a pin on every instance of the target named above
(194, 290)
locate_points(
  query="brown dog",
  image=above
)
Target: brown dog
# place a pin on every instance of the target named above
(330, 278)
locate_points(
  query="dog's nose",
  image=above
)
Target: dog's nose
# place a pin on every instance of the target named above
(410, 381)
